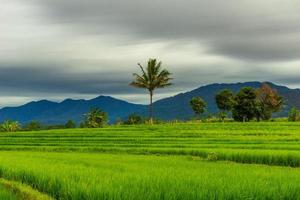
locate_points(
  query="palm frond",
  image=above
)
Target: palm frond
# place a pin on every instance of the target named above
(152, 76)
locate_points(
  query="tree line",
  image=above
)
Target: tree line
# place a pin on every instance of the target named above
(245, 105)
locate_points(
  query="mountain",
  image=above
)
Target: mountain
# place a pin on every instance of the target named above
(48, 112)
(176, 107)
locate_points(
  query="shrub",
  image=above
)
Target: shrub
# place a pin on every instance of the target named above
(70, 124)
(198, 105)
(293, 115)
(134, 119)
(212, 156)
(96, 118)
(245, 106)
(10, 126)
(32, 126)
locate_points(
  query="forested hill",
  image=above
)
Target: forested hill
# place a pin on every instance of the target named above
(176, 107)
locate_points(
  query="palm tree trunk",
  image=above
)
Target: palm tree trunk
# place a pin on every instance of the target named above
(151, 107)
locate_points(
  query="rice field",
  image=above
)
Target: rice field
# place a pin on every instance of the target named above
(6, 194)
(167, 161)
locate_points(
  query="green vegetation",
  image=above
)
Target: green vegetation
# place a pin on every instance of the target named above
(21, 191)
(70, 124)
(294, 115)
(32, 126)
(272, 143)
(96, 118)
(134, 119)
(6, 194)
(249, 103)
(198, 105)
(83, 176)
(224, 100)
(152, 77)
(162, 161)
(268, 102)
(10, 126)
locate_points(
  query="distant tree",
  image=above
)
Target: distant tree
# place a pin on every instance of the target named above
(268, 101)
(70, 124)
(134, 119)
(96, 118)
(198, 105)
(151, 78)
(10, 126)
(245, 105)
(54, 126)
(119, 121)
(293, 115)
(82, 124)
(33, 126)
(225, 101)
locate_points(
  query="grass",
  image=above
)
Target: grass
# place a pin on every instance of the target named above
(169, 161)
(276, 143)
(22, 191)
(110, 176)
(6, 194)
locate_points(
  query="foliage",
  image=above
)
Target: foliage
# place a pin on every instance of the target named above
(222, 116)
(10, 126)
(268, 102)
(225, 100)
(152, 77)
(134, 119)
(70, 124)
(198, 105)
(119, 121)
(5, 194)
(245, 105)
(96, 118)
(76, 176)
(54, 126)
(32, 126)
(294, 115)
(75, 172)
(212, 156)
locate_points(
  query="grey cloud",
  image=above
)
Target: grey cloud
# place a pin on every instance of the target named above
(54, 80)
(252, 30)
(62, 48)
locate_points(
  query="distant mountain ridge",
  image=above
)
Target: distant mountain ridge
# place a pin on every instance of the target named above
(176, 107)
(49, 112)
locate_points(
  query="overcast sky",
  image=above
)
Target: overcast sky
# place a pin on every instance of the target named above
(56, 49)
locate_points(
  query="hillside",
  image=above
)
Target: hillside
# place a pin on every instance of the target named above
(176, 107)
(48, 112)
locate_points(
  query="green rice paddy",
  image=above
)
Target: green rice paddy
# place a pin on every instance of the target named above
(167, 161)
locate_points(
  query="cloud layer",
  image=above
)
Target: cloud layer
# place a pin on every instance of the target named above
(59, 48)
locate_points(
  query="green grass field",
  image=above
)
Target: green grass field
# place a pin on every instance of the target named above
(6, 195)
(168, 161)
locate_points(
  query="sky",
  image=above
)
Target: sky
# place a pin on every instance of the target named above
(57, 49)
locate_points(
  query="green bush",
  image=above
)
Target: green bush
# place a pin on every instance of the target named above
(212, 156)
(96, 118)
(70, 124)
(32, 126)
(293, 115)
(134, 119)
(10, 126)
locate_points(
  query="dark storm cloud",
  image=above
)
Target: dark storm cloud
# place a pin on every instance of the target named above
(64, 48)
(54, 80)
(250, 30)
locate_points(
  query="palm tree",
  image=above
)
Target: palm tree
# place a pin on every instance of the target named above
(151, 78)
